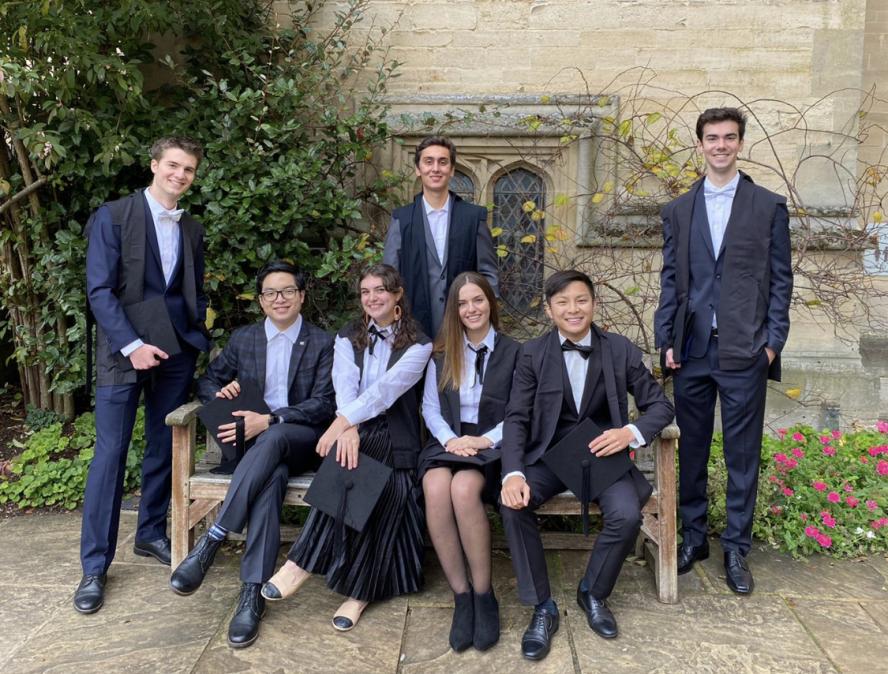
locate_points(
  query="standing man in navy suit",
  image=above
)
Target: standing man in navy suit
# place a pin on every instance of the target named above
(437, 237)
(144, 266)
(722, 322)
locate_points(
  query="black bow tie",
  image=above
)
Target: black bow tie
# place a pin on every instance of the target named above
(376, 334)
(480, 353)
(584, 351)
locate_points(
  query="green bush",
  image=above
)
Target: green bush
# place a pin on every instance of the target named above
(818, 491)
(51, 471)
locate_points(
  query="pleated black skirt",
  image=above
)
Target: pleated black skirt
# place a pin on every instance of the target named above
(384, 560)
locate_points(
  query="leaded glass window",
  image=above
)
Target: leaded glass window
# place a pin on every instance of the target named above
(463, 185)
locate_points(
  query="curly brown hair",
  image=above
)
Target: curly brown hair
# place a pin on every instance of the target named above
(405, 327)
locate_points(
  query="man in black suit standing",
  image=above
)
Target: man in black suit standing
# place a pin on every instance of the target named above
(573, 372)
(291, 361)
(438, 236)
(722, 321)
(144, 270)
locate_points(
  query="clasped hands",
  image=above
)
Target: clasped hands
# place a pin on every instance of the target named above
(516, 492)
(467, 445)
(345, 435)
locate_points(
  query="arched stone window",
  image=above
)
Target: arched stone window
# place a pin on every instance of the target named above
(463, 185)
(521, 271)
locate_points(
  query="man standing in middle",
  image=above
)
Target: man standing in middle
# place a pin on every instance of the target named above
(291, 361)
(438, 236)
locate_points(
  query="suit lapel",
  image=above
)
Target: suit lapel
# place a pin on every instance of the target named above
(152, 237)
(299, 347)
(610, 381)
(700, 221)
(593, 373)
(742, 194)
(260, 349)
(429, 237)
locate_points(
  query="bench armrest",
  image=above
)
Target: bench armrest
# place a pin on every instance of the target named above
(183, 415)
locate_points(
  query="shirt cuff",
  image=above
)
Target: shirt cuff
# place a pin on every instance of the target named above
(127, 351)
(639, 438)
(445, 436)
(495, 435)
(350, 411)
(514, 472)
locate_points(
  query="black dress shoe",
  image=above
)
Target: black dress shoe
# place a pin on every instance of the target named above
(462, 627)
(737, 573)
(537, 637)
(159, 549)
(487, 620)
(598, 615)
(244, 626)
(190, 573)
(90, 594)
(688, 554)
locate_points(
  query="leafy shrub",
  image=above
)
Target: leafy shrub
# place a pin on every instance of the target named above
(818, 491)
(51, 471)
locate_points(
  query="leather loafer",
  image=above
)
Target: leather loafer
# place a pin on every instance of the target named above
(598, 615)
(737, 573)
(159, 549)
(90, 594)
(688, 554)
(244, 626)
(190, 573)
(537, 637)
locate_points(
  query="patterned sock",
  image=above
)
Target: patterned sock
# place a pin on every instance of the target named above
(217, 533)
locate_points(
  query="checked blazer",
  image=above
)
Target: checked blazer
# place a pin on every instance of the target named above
(312, 400)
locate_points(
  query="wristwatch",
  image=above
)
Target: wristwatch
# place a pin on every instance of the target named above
(275, 419)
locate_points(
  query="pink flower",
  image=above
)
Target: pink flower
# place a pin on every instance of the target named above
(882, 426)
(824, 540)
(773, 479)
(882, 467)
(871, 505)
(829, 451)
(798, 453)
(776, 509)
(781, 433)
(819, 486)
(791, 463)
(812, 532)
(780, 458)
(851, 501)
(828, 520)
(804, 517)
(824, 439)
(847, 487)
(798, 437)
(787, 491)
(833, 497)
(836, 435)
(879, 523)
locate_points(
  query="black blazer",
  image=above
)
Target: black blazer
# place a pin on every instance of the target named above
(538, 392)
(312, 401)
(748, 286)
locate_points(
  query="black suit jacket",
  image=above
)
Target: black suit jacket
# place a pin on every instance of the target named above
(312, 401)
(748, 285)
(538, 391)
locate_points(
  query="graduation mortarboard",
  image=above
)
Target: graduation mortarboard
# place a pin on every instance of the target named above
(219, 411)
(482, 458)
(151, 321)
(349, 496)
(585, 474)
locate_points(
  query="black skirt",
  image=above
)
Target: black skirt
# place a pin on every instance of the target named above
(385, 559)
(433, 455)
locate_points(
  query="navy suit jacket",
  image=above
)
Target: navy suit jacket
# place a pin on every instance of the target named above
(747, 286)
(311, 398)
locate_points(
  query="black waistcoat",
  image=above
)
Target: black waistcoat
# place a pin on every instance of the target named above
(594, 404)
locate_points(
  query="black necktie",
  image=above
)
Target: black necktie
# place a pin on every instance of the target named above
(480, 353)
(584, 351)
(376, 334)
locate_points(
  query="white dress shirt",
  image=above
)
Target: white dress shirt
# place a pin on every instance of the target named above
(438, 220)
(278, 350)
(359, 398)
(469, 395)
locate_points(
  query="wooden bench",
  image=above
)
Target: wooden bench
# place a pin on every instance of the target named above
(197, 494)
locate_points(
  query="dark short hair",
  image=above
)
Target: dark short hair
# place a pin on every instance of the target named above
(280, 266)
(428, 141)
(188, 145)
(561, 279)
(714, 115)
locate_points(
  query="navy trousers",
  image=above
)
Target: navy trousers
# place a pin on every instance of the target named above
(742, 395)
(165, 387)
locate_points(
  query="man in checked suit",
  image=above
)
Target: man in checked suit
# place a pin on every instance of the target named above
(722, 321)
(291, 362)
(144, 268)
(438, 236)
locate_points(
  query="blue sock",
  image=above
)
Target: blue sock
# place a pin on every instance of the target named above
(217, 533)
(548, 606)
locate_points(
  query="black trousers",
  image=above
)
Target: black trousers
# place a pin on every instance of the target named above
(620, 510)
(256, 495)
(742, 394)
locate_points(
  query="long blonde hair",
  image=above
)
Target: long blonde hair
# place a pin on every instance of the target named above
(450, 338)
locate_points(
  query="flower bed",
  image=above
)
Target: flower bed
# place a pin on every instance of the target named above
(819, 491)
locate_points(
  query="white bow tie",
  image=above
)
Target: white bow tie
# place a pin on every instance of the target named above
(175, 215)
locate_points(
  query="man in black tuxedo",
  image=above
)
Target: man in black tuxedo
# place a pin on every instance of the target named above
(722, 321)
(570, 373)
(144, 271)
(438, 236)
(291, 361)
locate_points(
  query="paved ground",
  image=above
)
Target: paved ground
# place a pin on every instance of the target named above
(816, 616)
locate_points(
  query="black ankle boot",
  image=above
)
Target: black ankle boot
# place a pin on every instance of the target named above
(487, 620)
(463, 626)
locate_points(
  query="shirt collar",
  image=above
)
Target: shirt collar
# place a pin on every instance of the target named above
(429, 210)
(585, 341)
(726, 190)
(389, 329)
(155, 206)
(488, 340)
(291, 333)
